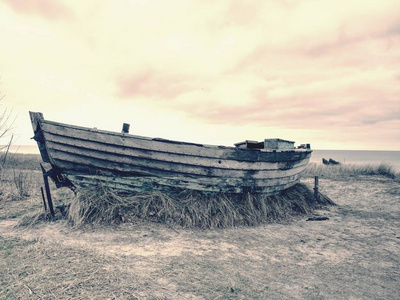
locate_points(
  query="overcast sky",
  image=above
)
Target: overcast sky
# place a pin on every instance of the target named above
(215, 72)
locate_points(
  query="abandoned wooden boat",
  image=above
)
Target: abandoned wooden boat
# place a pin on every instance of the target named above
(82, 156)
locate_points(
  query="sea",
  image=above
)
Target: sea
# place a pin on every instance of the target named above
(342, 156)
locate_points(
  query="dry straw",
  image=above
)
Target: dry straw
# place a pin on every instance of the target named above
(99, 204)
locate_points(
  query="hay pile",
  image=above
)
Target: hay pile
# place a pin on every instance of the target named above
(99, 204)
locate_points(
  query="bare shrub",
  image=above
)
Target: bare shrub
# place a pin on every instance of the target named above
(16, 184)
(22, 183)
(5, 128)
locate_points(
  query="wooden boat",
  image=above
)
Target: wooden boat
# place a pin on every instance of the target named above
(82, 156)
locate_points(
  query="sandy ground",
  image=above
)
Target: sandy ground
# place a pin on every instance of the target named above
(353, 255)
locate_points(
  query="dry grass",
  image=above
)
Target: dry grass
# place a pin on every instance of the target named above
(100, 204)
(21, 161)
(17, 184)
(352, 255)
(20, 182)
(28, 269)
(382, 169)
(19, 177)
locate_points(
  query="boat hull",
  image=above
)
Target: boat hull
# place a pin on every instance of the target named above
(134, 163)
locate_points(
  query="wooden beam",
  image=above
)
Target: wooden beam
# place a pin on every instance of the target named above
(48, 194)
(44, 199)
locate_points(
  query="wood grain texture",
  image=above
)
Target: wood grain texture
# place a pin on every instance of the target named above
(147, 184)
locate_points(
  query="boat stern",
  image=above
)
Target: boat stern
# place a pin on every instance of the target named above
(36, 119)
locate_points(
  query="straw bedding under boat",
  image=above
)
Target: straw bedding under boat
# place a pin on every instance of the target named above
(185, 208)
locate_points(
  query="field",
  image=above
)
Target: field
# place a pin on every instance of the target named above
(355, 254)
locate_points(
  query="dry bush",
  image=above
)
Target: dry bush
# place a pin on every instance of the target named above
(99, 204)
(18, 184)
(19, 177)
(22, 184)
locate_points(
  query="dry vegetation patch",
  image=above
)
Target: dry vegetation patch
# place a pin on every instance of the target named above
(99, 204)
(31, 269)
(345, 170)
(352, 255)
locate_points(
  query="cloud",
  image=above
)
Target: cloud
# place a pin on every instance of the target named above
(328, 102)
(289, 66)
(239, 13)
(394, 29)
(152, 84)
(47, 9)
(327, 71)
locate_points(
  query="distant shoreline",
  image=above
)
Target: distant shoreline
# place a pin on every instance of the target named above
(372, 157)
(24, 149)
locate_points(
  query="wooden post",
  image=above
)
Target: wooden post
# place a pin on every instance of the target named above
(316, 193)
(47, 187)
(44, 199)
(125, 128)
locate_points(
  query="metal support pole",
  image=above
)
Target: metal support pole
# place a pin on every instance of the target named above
(47, 187)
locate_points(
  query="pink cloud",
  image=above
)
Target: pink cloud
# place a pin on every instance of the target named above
(150, 83)
(342, 46)
(309, 110)
(239, 13)
(394, 30)
(48, 9)
(297, 102)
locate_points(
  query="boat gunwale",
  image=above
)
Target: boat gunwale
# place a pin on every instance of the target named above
(162, 140)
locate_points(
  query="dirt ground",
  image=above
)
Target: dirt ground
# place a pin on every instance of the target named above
(353, 255)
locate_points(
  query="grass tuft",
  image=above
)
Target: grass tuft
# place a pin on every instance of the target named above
(31, 220)
(100, 204)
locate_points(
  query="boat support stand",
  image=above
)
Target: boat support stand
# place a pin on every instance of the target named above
(48, 194)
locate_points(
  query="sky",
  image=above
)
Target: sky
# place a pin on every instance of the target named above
(215, 72)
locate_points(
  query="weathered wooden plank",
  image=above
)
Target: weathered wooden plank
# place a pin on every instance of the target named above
(71, 168)
(153, 183)
(158, 168)
(152, 162)
(187, 149)
(169, 157)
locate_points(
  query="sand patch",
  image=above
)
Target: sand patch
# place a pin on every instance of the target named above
(353, 255)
